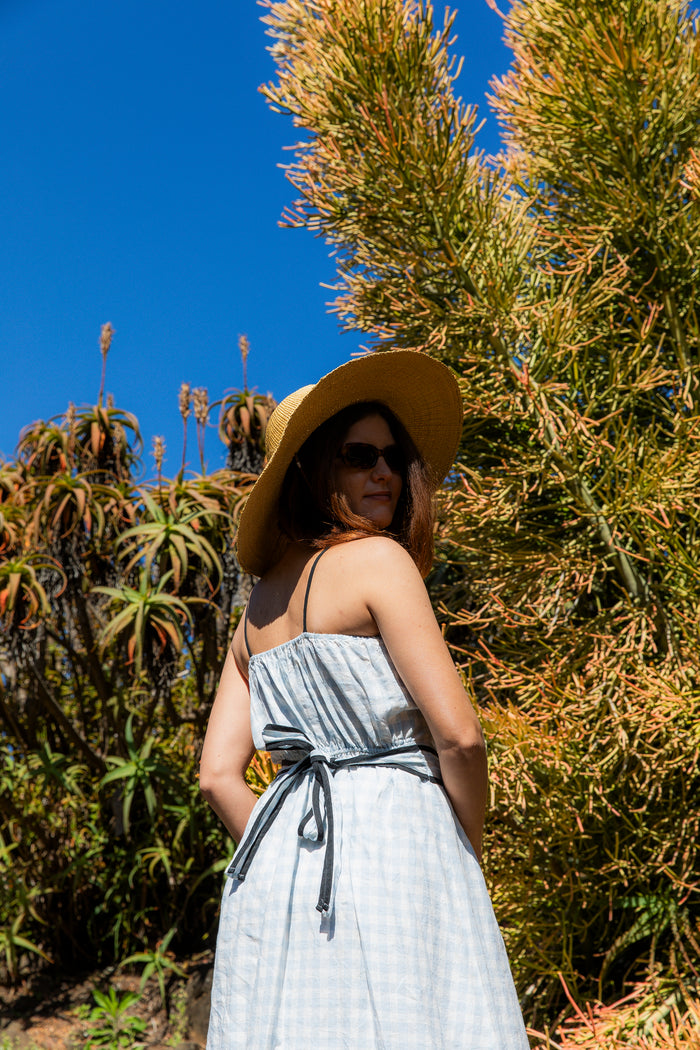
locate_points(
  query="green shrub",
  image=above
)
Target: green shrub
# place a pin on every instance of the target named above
(113, 632)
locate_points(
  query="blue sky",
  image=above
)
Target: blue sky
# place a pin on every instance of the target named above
(140, 185)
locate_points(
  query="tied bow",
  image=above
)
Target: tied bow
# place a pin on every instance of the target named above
(418, 760)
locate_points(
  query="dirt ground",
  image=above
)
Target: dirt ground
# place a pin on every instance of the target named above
(44, 1011)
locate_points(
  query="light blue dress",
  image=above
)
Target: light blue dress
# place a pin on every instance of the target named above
(355, 915)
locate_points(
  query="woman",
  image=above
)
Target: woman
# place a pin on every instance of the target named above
(355, 915)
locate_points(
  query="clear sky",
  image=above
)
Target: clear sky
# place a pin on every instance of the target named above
(139, 184)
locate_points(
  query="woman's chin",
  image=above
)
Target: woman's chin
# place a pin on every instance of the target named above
(381, 519)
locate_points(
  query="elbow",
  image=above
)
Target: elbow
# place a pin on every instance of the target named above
(212, 783)
(468, 745)
(207, 784)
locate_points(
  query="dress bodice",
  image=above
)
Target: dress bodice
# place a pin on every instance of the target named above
(342, 691)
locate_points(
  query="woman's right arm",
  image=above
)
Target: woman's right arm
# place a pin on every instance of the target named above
(227, 751)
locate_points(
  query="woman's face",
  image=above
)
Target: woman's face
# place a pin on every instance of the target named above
(372, 492)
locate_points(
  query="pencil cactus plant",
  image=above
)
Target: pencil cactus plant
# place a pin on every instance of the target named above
(560, 280)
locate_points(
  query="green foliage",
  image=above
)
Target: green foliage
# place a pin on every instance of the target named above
(159, 962)
(560, 280)
(149, 614)
(109, 1023)
(139, 770)
(23, 598)
(12, 943)
(595, 798)
(171, 536)
(93, 874)
(117, 602)
(11, 1044)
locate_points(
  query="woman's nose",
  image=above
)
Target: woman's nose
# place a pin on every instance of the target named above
(381, 468)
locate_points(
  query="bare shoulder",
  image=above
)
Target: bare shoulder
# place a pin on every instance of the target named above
(376, 553)
(350, 582)
(239, 649)
(379, 571)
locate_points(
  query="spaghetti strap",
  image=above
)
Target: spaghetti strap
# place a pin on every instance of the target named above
(245, 630)
(308, 586)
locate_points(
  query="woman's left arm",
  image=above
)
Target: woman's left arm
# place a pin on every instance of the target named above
(227, 751)
(399, 603)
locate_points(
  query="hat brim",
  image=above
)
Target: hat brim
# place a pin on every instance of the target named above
(422, 393)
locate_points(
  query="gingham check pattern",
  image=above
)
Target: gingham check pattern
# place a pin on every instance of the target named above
(409, 956)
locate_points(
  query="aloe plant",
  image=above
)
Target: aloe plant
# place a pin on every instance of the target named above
(117, 603)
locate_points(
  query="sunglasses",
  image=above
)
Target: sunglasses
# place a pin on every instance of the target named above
(361, 456)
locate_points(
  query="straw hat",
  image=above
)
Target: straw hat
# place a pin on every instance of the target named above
(423, 395)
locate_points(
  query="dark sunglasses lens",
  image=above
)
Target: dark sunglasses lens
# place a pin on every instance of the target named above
(362, 456)
(393, 459)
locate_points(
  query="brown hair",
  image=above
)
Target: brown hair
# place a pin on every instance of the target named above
(312, 510)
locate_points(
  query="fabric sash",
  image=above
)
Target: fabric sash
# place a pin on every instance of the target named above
(412, 758)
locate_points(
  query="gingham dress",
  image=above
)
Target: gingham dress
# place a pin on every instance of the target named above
(403, 952)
